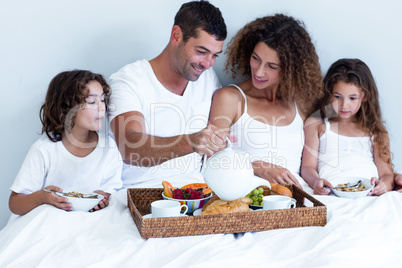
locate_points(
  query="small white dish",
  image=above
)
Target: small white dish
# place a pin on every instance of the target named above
(197, 212)
(352, 195)
(149, 216)
(83, 203)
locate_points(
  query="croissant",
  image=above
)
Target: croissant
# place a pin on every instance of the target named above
(281, 190)
(221, 206)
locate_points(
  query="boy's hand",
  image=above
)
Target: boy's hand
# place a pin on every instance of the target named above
(103, 203)
(54, 199)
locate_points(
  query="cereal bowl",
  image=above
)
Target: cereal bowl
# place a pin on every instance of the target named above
(352, 195)
(192, 204)
(85, 202)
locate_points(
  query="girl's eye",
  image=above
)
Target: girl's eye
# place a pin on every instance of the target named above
(353, 98)
(337, 97)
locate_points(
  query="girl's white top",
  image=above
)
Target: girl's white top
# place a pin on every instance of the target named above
(279, 145)
(341, 156)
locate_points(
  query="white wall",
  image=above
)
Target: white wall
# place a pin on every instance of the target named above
(39, 39)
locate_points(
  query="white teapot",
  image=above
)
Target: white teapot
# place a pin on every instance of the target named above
(230, 174)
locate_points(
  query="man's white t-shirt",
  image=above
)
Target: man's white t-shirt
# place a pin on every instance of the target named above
(136, 88)
(50, 163)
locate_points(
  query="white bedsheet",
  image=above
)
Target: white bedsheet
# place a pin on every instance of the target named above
(360, 233)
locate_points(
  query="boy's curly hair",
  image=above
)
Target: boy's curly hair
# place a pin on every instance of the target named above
(300, 75)
(66, 94)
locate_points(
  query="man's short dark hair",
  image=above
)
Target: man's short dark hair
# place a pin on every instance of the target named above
(200, 15)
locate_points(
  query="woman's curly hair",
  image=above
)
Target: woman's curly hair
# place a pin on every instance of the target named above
(356, 72)
(66, 94)
(301, 78)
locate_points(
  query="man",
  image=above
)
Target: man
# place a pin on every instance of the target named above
(162, 105)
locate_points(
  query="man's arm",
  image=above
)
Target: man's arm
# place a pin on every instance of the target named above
(140, 149)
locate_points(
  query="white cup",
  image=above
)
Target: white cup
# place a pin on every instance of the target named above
(166, 208)
(277, 202)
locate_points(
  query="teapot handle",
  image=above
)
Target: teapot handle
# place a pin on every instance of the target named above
(228, 143)
(204, 156)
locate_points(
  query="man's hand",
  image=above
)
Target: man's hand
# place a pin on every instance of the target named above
(208, 141)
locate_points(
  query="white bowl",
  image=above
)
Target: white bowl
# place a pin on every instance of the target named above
(83, 204)
(352, 195)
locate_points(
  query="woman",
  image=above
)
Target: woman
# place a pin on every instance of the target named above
(266, 112)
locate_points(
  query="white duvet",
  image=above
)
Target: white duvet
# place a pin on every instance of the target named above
(366, 232)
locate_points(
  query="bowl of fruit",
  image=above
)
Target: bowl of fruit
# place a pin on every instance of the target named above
(193, 195)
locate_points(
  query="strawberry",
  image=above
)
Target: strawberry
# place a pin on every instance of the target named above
(178, 194)
(194, 195)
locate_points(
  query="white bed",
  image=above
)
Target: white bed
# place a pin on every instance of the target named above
(366, 232)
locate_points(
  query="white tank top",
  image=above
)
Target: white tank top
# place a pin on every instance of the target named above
(343, 156)
(279, 145)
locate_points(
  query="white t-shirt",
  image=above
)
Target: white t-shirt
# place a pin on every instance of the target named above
(136, 88)
(50, 163)
(341, 156)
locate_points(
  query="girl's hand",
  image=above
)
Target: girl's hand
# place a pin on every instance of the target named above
(398, 183)
(103, 203)
(318, 187)
(54, 199)
(379, 188)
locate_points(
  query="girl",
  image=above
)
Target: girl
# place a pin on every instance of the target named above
(72, 155)
(266, 111)
(350, 140)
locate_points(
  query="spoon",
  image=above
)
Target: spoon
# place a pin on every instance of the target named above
(349, 185)
(63, 193)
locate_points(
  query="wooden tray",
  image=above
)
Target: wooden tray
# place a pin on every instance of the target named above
(140, 199)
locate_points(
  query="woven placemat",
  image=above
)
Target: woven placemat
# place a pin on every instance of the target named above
(140, 199)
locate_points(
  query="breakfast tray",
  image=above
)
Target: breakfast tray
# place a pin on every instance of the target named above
(140, 199)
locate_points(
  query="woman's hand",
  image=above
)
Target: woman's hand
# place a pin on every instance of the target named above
(318, 187)
(103, 203)
(54, 199)
(379, 187)
(274, 173)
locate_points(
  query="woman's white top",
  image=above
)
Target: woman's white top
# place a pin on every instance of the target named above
(279, 145)
(342, 156)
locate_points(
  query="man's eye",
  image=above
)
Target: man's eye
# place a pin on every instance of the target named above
(201, 52)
